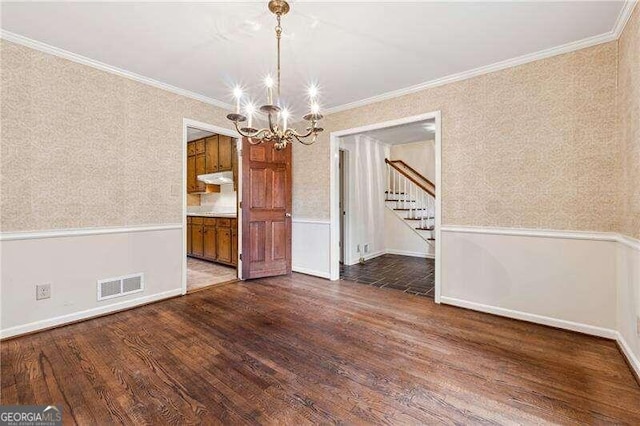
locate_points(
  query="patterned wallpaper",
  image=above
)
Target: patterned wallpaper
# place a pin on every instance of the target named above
(532, 146)
(629, 107)
(85, 148)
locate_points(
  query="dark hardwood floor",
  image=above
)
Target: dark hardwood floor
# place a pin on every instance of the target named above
(300, 350)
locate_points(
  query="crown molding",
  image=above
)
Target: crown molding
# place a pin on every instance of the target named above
(614, 34)
(52, 50)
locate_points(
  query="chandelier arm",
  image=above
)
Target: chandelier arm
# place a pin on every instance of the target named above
(305, 135)
(300, 139)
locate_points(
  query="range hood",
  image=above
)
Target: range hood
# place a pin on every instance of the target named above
(220, 178)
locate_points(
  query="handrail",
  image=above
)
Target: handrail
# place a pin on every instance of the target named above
(406, 175)
(414, 171)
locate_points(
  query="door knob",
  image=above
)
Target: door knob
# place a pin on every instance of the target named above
(287, 215)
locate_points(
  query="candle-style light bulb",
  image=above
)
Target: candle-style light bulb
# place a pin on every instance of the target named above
(250, 109)
(237, 93)
(313, 92)
(285, 115)
(268, 81)
(315, 108)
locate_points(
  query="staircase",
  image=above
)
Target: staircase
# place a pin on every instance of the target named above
(411, 197)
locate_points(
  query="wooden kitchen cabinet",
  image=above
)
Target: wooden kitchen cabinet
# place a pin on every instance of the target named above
(197, 237)
(209, 239)
(211, 154)
(191, 174)
(223, 238)
(189, 236)
(225, 153)
(213, 239)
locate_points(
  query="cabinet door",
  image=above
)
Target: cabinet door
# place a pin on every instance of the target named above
(197, 241)
(209, 242)
(189, 226)
(200, 170)
(211, 152)
(224, 244)
(191, 174)
(234, 246)
(224, 153)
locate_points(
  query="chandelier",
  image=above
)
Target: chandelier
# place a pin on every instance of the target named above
(277, 131)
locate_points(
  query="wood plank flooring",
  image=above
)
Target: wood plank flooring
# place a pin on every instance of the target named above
(302, 350)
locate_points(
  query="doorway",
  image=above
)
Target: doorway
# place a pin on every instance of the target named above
(211, 184)
(386, 192)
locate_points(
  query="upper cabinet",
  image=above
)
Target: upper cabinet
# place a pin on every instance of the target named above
(209, 155)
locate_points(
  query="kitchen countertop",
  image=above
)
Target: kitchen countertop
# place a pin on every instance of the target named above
(231, 215)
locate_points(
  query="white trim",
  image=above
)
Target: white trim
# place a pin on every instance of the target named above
(187, 122)
(410, 253)
(538, 319)
(312, 221)
(82, 232)
(52, 50)
(629, 242)
(527, 232)
(623, 17)
(628, 353)
(306, 271)
(334, 186)
(438, 213)
(614, 34)
(86, 314)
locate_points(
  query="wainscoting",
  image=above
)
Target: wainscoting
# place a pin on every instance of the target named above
(586, 282)
(310, 247)
(72, 261)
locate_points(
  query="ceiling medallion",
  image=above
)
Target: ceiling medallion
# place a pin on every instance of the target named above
(278, 131)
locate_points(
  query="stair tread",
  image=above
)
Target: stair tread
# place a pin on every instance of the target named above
(431, 228)
(420, 218)
(401, 201)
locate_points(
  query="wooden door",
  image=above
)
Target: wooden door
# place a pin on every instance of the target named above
(234, 246)
(209, 241)
(224, 244)
(197, 237)
(211, 153)
(225, 153)
(266, 210)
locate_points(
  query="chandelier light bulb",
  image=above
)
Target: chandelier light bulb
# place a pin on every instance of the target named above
(268, 81)
(250, 109)
(313, 91)
(315, 108)
(285, 116)
(237, 93)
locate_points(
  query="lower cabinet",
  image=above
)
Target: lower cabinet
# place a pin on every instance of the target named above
(214, 239)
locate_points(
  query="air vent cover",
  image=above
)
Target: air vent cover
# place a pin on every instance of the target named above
(120, 286)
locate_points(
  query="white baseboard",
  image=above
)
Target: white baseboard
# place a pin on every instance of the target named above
(411, 253)
(306, 271)
(634, 362)
(538, 319)
(86, 314)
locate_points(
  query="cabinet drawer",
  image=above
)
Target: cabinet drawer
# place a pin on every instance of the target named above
(200, 147)
(197, 220)
(209, 221)
(224, 223)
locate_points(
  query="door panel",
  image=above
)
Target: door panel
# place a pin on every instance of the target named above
(266, 195)
(197, 246)
(211, 152)
(209, 242)
(224, 153)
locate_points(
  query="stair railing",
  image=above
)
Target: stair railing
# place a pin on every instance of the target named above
(412, 191)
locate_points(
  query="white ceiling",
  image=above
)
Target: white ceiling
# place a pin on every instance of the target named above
(404, 133)
(354, 50)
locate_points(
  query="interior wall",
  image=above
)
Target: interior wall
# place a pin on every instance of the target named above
(419, 155)
(366, 186)
(400, 239)
(629, 112)
(629, 255)
(85, 148)
(493, 173)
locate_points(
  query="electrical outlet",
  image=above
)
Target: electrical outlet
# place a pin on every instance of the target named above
(43, 291)
(366, 248)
